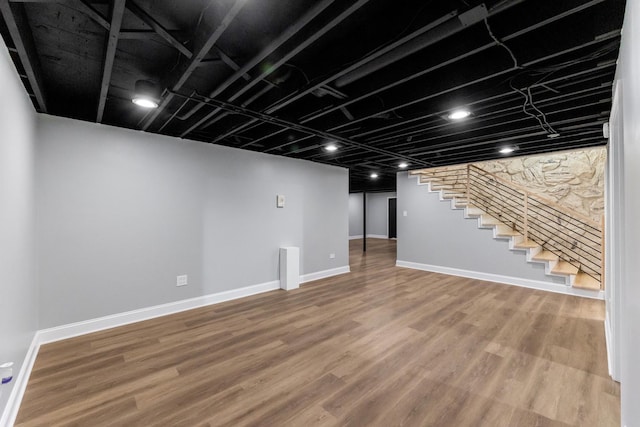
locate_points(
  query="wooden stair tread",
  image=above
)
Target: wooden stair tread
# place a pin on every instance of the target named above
(473, 211)
(505, 231)
(450, 196)
(489, 220)
(563, 267)
(584, 281)
(528, 244)
(545, 256)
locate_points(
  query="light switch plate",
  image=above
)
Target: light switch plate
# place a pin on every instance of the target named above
(280, 201)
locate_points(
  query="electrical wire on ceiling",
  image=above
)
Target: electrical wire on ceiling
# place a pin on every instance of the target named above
(499, 43)
(300, 70)
(528, 100)
(528, 96)
(548, 72)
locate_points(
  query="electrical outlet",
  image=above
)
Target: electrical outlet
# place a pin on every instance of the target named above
(332, 256)
(182, 280)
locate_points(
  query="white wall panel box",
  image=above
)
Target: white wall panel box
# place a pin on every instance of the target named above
(289, 268)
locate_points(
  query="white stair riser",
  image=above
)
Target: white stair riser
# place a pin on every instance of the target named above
(513, 240)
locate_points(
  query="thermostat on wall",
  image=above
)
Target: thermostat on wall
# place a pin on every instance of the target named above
(280, 201)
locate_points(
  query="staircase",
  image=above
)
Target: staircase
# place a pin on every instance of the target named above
(567, 243)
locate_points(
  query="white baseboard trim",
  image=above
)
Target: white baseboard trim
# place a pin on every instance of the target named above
(71, 330)
(607, 340)
(8, 416)
(377, 236)
(107, 322)
(359, 236)
(507, 280)
(324, 274)
(608, 336)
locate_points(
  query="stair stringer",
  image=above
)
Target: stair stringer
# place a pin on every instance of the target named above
(456, 204)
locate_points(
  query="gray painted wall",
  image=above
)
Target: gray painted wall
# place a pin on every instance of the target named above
(434, 234)
(355, 214)
(18, 293)
(377, 207)
(122, 213)
(377, 213)
(627, 225)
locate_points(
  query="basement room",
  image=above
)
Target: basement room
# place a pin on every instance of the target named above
(319, 213)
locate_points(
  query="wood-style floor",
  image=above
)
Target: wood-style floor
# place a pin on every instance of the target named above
(381, 346)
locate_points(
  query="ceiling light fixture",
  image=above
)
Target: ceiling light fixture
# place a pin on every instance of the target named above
(507, 150)
(331, 147)
(374, 175)
(459, 114)
(147, 94)
(403, 165)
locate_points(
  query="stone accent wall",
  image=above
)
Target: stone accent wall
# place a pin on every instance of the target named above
(574, 179)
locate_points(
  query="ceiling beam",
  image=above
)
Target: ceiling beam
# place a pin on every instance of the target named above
(158, 28)
(291, 31)
(569, 77)
(571, 97)
(528, 148)
(86, 8)
(467, 144)
(529, 64)
(237, 109)
(405, 122)
(300, 94)
(117, 12)
(205, 38)
(16, 19)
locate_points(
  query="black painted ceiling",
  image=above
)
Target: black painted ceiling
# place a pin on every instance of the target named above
(377, 77)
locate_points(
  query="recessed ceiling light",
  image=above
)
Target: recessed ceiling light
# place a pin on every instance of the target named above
(403, 165)
(146, 94)
(374, 175)
(331, 147)
(145, 102)
(507, 150)
(459, 114)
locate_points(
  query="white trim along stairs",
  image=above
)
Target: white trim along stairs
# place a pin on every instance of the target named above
(554, 266)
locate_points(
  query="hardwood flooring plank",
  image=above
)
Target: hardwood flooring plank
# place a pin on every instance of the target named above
(380, 346)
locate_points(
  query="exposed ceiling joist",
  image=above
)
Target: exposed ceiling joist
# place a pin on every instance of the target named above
(572, 78)
(158, 28)
(474, 81)
(270, 71)
(205, 37)
(16, 20)
(264, 53)
(86, 8)
(391, 48)
(226, 106)
(498, 119)
(117, 12)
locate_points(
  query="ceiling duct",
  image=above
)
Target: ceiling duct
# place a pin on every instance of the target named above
(434, 35)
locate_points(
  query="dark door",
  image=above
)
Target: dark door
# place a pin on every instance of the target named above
(393, 233)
